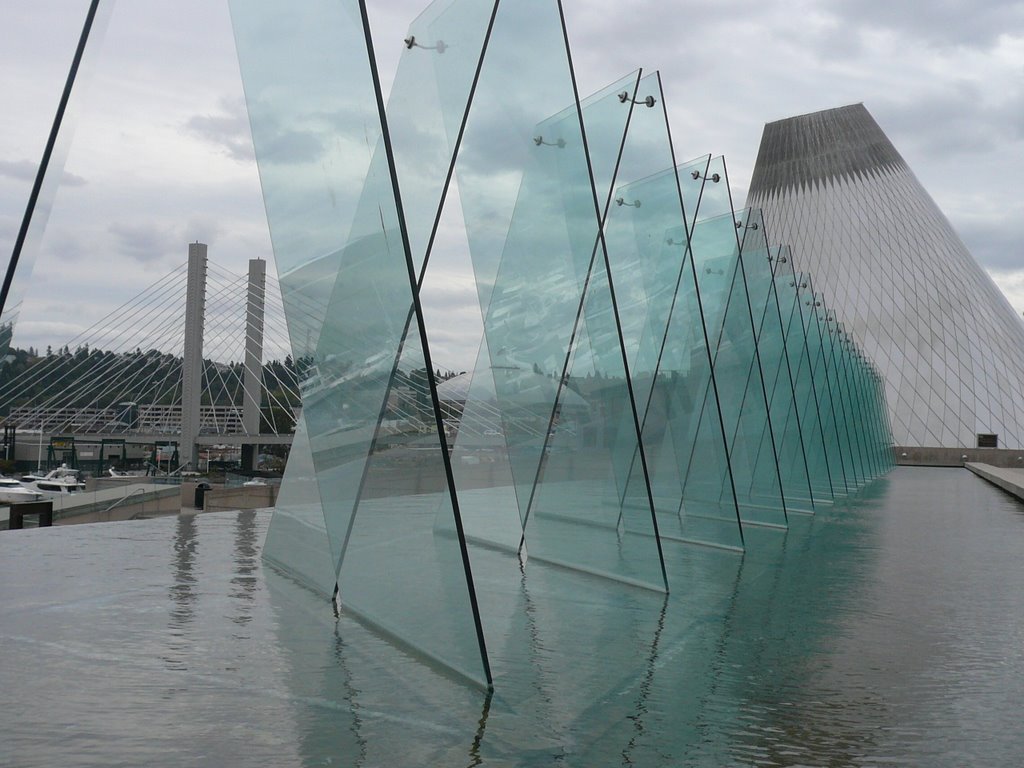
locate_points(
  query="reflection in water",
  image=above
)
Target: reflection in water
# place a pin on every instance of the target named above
(884, 631)
(351, 696)
(182, 593)
(246, 561)
(475, 758)
(182, 590)
(645, 691)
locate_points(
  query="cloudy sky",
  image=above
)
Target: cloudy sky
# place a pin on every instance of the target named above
(161, 155)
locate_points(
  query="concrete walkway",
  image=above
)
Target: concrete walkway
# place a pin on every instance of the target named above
(1010, 480)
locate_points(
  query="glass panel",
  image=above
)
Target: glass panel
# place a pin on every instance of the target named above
(569, 446)
(782, 434)
(805, 396)
(517, 89)
(427, 106)
(297, 541)
(852, 402)
(637, 219)
(839, 395)
(63, 130)
(827, 408)
(684, 423)
(646, 239)
(372, 427)
(862, 423)
(737, 373)
(715, 197)
(480, 459)
(428, 110)
(692, 180)
(876, 395)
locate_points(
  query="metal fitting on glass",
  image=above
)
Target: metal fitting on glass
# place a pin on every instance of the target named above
(649, 101)
(713, 177)
(754, 226)
(622, 201)
(439, 46)
(539, 141)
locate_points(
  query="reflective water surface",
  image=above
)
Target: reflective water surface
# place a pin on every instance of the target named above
(886, 631)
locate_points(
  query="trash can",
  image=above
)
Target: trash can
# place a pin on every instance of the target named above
(201, 489)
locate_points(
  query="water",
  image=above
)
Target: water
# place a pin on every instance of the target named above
(889, 631)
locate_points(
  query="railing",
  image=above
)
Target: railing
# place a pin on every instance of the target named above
(122, 500)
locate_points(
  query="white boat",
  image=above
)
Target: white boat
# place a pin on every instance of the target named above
(56, 482)
(13, 492)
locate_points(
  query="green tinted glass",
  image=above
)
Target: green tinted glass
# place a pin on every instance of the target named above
(800, 363)
(782, 432)
(338, 233)
(737, 371)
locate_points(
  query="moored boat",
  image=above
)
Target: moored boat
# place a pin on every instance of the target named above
(56, 482)
(14, 492)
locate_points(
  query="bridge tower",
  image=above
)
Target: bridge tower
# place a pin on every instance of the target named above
(253, 384)
(192, 364)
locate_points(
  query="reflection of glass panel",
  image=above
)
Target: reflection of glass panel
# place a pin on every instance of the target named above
(372, 423)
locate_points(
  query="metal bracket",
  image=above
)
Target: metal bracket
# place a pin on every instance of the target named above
(713, 177)
(539, 141)
(648, 101)
(440, 46)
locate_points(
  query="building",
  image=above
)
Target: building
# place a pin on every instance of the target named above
(884, 256)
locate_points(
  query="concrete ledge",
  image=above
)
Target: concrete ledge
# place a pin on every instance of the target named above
(221, 499)
(918, 456)
(1010, 480)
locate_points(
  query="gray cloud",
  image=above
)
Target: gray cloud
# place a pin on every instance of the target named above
(995, 248)
(25, 170)
(943, 23)
(968, 126)
(68, 247)
(145, 242)
(205, 229)
(229, 131)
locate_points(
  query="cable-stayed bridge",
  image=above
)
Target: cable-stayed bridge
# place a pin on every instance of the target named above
(203, 357)
(200, 357)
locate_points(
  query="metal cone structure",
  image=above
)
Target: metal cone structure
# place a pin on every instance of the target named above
(887, 261)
